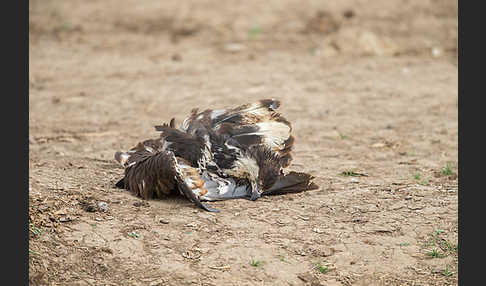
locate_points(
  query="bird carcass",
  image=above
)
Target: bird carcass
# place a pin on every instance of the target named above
(220, 154)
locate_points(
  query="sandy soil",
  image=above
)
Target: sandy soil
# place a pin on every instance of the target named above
(369, 86)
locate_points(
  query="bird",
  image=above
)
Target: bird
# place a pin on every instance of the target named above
(219, 154)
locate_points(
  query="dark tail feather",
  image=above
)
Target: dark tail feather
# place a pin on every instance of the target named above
(121, 183)
(294, 182)
(165, 125)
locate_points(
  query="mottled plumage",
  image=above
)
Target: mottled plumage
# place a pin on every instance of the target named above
(238, 131)
(215, 155)
(156, 173)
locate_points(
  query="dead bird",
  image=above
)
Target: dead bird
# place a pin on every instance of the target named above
(218, 154)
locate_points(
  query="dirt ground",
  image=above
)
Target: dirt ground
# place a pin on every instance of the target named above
(369, 86)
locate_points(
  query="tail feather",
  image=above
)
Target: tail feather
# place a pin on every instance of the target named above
(121, 183)
(294, 182)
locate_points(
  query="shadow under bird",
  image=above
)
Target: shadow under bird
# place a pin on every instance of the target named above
(220, 154)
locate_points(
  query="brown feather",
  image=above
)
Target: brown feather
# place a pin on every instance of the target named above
(157, 167)
(155, 175)
(184, 145)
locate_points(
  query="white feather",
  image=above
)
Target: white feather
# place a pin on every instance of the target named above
(131, 164)
(217, 112)
(185, 124)
(165, 145)
(222, 189)
(149, 149)
(274, 133)
(245, 167)
(256, 109)
(123, 159)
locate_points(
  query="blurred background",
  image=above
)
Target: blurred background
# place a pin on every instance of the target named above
(323, 28)
(106, 57)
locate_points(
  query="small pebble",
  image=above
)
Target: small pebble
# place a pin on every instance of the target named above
(348, 14)
(436, 52)
(102, 206)
(234, 47)
(176, 57)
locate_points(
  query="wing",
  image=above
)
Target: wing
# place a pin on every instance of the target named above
(243, 114)
(192, 147)
(247, 125)
(151, 174)
(150, 145)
